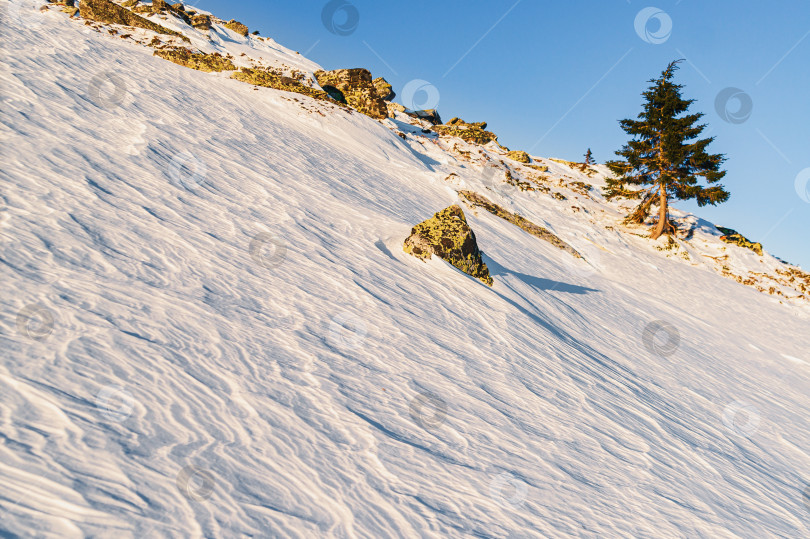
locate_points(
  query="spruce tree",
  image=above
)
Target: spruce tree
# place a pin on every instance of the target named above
(589, 157)
(665, 158)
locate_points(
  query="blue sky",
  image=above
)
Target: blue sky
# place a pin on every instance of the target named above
(555, 78)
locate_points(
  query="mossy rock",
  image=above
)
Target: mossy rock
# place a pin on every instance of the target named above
(732, 236)
(458, 122)
(393, 108)
(471, 132)
(237, 27)
(109, 12)
(196, 60)
(201, 22)
(177, 10)
(519, 156)
(261, 77)
(478, 136)
(384, 89)
(357, 88)
(448, 236)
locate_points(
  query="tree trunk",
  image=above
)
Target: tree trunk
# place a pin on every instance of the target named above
(664, 226)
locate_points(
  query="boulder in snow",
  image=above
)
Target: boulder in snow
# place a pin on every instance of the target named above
(448, 236)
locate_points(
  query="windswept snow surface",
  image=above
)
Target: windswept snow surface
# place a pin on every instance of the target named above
(239, 346)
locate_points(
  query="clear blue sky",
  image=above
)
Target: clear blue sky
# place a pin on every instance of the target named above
(555, 77)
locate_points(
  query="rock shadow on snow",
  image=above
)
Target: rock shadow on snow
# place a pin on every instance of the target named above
(496, 270)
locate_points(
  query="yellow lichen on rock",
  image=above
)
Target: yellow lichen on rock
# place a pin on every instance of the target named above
(519, 156)
(109, 12)
(196, 60)
(237, 27)
(448, 236)
(470, 132)
(732, 236)
(268, 79)
(357, 88)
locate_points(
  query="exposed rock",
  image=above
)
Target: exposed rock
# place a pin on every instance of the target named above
(458, 122)
(519, 156)
(263, 77)
(471, 132)
(535, 230)
(196, 60)
(130, 3)
(237, 27)
(334, 93)
(393, 108)
(201, 22)
(108, 12)
(539, 168)
(384, 89)
(448, 236)
(732, 236)
(429, 115)
(160, 6)
(357, 88)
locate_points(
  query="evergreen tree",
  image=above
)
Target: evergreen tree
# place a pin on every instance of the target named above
(663, 160)
(589, 157)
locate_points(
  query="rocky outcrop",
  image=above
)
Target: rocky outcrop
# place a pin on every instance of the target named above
(471, 132)
(268, 79)
(109, 12)
(384, 89)
(474, 199)
(201, 21)
(519, 156)
(178, 10)
(448, 236)
(357, 89)
(429, 115)
(237, 27)
(393, 108)
(732, 236)
(196, 60)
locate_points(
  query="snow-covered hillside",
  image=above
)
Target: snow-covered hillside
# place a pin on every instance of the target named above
(209, 328)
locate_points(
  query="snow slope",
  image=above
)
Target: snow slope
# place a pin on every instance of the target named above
(239, 346)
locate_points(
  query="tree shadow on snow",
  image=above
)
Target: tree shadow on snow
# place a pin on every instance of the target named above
(496, 270)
